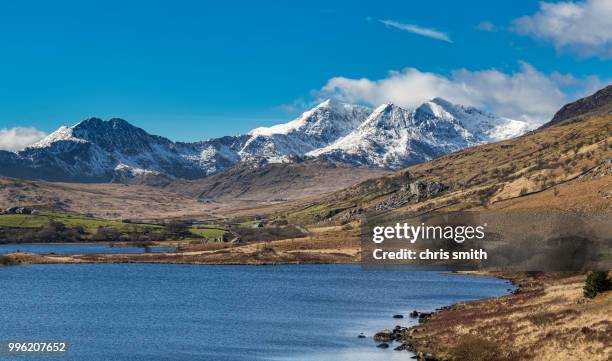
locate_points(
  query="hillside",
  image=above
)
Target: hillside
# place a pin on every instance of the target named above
(106, 200)
(494, 175)
(275, 182)
(244, 186)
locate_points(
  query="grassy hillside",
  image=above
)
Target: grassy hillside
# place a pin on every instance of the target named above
(483, 176)
(58, 227)
(71, 220)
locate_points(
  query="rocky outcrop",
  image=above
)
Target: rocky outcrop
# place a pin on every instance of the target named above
(597, 104)
(384, 336)
(18, 210)
(412, 193)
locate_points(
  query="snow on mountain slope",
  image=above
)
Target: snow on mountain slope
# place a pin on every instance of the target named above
(485, 126)
(314, 129)
(388, 136)
(393, 137)
(63, 133)
(97, 150)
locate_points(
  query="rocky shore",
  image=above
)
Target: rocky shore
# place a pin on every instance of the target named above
(403, 335)
(545, 318)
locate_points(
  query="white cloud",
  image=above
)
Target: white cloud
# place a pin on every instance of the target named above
(486, 26)
(430, 33)
(584, 28)
(19, 137)
(525, 94)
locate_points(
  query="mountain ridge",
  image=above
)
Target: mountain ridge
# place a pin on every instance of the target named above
(391, 137)
(597, 103)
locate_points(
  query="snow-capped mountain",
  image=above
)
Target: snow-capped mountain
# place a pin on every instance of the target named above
(393, 137)
(388, 136)
(314, 129)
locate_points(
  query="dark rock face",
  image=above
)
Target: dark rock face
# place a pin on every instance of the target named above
(424, 316)
(18, 210)
(412, 193)
(597, 104)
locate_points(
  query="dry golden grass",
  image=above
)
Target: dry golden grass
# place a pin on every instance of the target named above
(107, 201)
(547, 320)
(586, 196)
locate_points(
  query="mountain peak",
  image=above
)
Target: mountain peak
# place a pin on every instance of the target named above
(91, 121)
(332, 103)
(63, 133)
(316, 119)
(442, 102)
(432, 109)
(97, 124)
(385, 107)
(327, 103)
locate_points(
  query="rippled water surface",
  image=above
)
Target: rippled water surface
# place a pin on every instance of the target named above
(152, 312)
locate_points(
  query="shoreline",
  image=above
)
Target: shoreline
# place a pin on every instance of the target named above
(545, 318)
(404, 335)
(275, 252)
(178, 258)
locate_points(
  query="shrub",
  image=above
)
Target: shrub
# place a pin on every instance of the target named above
(177, 227)
(473, 348)
(267, 249)
(58, 232)
(541, 319)
(596, 282)
(106, 234)
(249, 234)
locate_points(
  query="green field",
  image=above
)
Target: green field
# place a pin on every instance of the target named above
(92, 224)
(206, 232)
(89, 224)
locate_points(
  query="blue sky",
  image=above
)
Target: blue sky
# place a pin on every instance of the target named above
(192, 70)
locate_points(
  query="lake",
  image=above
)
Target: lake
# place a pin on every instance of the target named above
(154, 312)
(76, 248)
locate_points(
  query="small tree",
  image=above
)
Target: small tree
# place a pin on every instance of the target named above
(596, 282)
(177, 227)
(106, 234)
